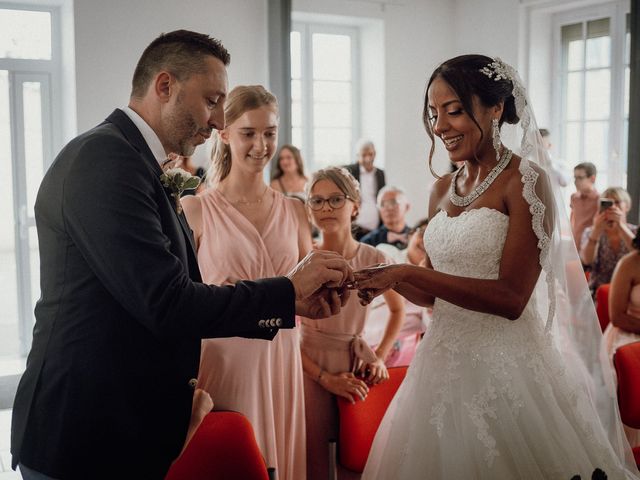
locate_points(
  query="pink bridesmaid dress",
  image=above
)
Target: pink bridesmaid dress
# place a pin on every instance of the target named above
(330, 344)
(259, 378)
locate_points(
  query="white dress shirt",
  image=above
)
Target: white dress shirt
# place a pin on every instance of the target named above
(368, 217)
(148, 134)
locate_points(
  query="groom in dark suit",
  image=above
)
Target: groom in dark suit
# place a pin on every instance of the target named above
(109, 382)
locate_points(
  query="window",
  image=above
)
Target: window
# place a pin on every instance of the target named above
(29, 71)
(594, 76)
(324, 86)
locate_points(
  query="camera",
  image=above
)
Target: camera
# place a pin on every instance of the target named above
(605, 203)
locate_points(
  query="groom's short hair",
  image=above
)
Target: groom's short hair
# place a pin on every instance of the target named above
(180, 52)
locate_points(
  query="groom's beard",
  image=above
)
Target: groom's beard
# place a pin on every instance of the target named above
(183, 129)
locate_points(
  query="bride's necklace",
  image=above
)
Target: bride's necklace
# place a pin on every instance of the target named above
(244, 201)
(459, 201)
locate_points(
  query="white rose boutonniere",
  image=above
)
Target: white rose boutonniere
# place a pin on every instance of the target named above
(178, 181)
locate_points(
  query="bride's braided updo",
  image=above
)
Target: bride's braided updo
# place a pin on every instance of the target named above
(467, 76)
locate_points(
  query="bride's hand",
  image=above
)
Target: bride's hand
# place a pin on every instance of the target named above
(374, 281)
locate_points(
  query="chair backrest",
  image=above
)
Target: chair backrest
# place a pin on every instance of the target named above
(602, 305)
(627, 363)
(359, 422)
(224, 447)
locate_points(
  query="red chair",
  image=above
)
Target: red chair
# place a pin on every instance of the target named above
(602, 305)
(223, 448)
(627, 363)
(359, 422)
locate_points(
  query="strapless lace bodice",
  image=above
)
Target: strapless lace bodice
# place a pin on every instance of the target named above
(468, 245)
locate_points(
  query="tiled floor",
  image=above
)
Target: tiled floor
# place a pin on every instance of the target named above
(5, 457)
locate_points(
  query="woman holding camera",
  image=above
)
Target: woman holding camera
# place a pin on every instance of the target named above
(609, 238)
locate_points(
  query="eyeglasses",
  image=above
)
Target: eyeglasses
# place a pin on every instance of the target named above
(389, 204)
(334, 201)
(579, 177)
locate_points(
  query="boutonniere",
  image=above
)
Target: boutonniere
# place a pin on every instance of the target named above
(178, 181)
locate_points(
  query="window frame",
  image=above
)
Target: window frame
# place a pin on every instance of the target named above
(49, 74)
(307, 29)
(615, 172)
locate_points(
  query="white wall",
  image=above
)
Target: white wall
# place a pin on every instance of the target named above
(111, 35)
(415, 36)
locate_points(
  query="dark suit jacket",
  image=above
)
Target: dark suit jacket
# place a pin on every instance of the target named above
(106, 392)
(354, 169)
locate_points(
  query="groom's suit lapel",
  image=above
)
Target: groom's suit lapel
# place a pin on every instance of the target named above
(135, 138)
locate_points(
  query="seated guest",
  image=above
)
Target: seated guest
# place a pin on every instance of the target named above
(371, 180)
(609, 238)
(287, 174)
(393, 206)
(624, 311)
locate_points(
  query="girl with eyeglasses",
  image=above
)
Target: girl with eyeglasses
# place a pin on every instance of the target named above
(335, 358)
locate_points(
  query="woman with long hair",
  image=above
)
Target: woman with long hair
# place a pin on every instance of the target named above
(287, 174)
(245, 229)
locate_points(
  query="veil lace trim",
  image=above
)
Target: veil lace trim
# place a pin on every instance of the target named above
(537, 209)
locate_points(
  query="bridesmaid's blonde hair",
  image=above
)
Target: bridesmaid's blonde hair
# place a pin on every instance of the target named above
(241, 99)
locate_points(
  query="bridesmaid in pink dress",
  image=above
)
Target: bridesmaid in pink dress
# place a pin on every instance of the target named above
(624, 311)
(333, 349)
(244, 229)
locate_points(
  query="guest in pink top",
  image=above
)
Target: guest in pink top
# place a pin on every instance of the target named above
(624, 310)
(244, 229)
(584, 203)
(335, 358)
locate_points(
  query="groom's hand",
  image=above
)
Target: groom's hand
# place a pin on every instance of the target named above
(319, 269)
(324, 303)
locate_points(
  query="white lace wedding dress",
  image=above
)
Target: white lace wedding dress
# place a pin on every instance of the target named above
(486, 397)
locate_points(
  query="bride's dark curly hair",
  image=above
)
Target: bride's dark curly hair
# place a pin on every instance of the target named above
(465, 78)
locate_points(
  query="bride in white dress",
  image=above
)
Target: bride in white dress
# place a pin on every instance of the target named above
(507, 383)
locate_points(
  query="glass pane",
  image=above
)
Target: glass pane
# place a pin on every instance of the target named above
(296, 137)
(625, 153)
(626, 92)
(596, 145)
(34, 161)
(572, 144)
(332, 146)
(332, 115)
(574, 96)
(296, 59)
(598, 44)
(331, 57)
(25, 34)
(296, 90)
(9, 344)
(572, 40)
(296, 114)
(597, 94)
(339, 92)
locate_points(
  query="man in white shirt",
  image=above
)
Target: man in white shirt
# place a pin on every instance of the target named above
(371, 181)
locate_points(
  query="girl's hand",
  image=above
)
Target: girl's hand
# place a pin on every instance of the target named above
(375, 372)
(345, 385)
